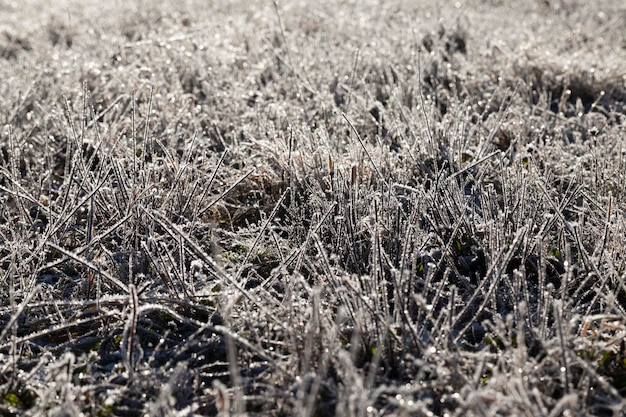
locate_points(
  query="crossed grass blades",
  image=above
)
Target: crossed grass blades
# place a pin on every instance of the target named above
(400, 237)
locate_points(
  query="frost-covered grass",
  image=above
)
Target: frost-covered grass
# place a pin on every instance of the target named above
(313, 208)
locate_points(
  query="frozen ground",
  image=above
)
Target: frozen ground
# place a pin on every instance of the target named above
(312, 208)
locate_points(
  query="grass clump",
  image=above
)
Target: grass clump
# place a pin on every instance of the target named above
(280, 209)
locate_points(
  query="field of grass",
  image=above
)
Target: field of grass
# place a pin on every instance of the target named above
(313, 208)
